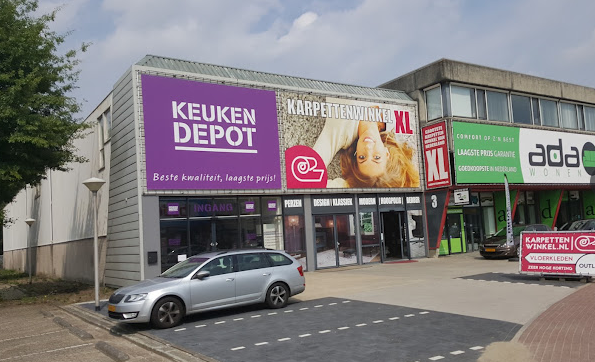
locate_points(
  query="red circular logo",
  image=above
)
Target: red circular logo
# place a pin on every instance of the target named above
(304, 168)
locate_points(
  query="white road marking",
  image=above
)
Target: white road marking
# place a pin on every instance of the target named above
(378, 321)
(238, 348)
(304, 308)
(393, 318)
(346, 301)
(342, 328)
(325, 331)
(238, 319)
(261, 343)
(318, 306)
(361, 325)
(409, 315)
(332, 304)
(273, 313)
(283, 339)
(179, 329)
(289, 311)
(457, 352)
(424, 312)
(476, 348)
(32, 335)
(435, 358)
(256, 316)
(220, 322)
(304, 335)
(200, 326)
(49, 351)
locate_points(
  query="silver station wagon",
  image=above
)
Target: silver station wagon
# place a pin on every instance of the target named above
(210, 281)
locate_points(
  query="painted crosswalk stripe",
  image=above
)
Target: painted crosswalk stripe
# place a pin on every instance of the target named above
(238, 348)
(283, 339)
(261, 343)
(435, 358)
(476, 348)
(457, 352)
(304, 335)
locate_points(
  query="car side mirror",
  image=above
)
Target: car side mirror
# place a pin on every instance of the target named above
(201, 275)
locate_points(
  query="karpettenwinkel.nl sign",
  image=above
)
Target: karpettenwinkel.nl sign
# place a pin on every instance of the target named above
(558, 252)
(483, 153)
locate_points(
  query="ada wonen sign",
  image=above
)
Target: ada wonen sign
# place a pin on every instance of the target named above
(483, 153)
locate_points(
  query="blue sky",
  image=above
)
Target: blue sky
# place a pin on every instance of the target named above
(363, 42)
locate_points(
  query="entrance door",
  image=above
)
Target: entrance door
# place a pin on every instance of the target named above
(335, 240)
(394, 245)
(453, 236)
(472, 220)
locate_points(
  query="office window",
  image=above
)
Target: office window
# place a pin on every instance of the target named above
(589, 118)
(536, 112)
(581, 117)
(521, 109)
(497, 106)
(549, 113)
(434, 103)
(463, 101)
(101, 141)
(568, 116)
(482, 112)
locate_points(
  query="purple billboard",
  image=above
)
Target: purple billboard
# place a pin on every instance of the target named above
(202, 136)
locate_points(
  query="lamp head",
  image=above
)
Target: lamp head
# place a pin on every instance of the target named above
(94, 184)
(29, 221)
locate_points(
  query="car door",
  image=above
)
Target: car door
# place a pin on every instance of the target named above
(218, 289)
(253, 277)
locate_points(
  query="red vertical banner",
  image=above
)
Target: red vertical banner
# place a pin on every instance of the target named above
(436, 158)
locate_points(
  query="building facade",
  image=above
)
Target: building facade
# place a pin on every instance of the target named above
(200, 157)
(480, 124)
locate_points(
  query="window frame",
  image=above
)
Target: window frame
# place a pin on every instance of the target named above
(439, 87)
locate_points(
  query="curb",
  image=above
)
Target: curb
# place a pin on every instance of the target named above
(111, 352)
(150, 343)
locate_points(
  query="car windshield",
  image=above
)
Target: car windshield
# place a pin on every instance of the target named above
(516, 231)
(183, 268)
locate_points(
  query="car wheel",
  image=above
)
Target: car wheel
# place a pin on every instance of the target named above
(167, 313)
(277, 295)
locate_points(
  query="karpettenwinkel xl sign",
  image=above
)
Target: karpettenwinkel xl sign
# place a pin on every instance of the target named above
(483, 153)
(558, 252)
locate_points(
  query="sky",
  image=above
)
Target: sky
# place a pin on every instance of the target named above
(361, 42)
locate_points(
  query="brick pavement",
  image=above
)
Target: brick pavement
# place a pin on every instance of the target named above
(565, 331)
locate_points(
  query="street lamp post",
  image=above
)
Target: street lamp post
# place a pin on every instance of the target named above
(29, 222)
(94, 184)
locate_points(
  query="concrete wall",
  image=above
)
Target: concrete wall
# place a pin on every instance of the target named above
(63, 211)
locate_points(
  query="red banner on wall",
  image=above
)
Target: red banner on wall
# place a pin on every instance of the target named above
(558, 252)
(436, 157)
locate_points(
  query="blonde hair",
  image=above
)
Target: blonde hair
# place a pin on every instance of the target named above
(400, 170)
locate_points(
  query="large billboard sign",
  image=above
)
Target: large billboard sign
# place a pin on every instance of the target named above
(202, 136)
(340, 143)
(483, 153)
(437, 161)
(558, 252)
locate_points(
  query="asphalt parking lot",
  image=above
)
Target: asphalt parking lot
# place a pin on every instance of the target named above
(450, 309)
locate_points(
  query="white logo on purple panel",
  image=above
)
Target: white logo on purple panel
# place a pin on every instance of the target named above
(173, 209)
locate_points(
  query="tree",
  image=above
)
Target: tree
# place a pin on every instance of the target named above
(37, 115)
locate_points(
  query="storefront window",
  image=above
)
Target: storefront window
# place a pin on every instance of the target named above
(249, 205)
(370, 233)
(251, 233)
(174, 242)
(416, 234)
(172, 208)
(201, 207)
(295, 237)
(488, 214)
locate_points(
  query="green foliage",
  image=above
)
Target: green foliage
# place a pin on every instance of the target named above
(37, 115)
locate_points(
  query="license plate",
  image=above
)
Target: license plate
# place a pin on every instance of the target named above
(111, 308)
(490, 250)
